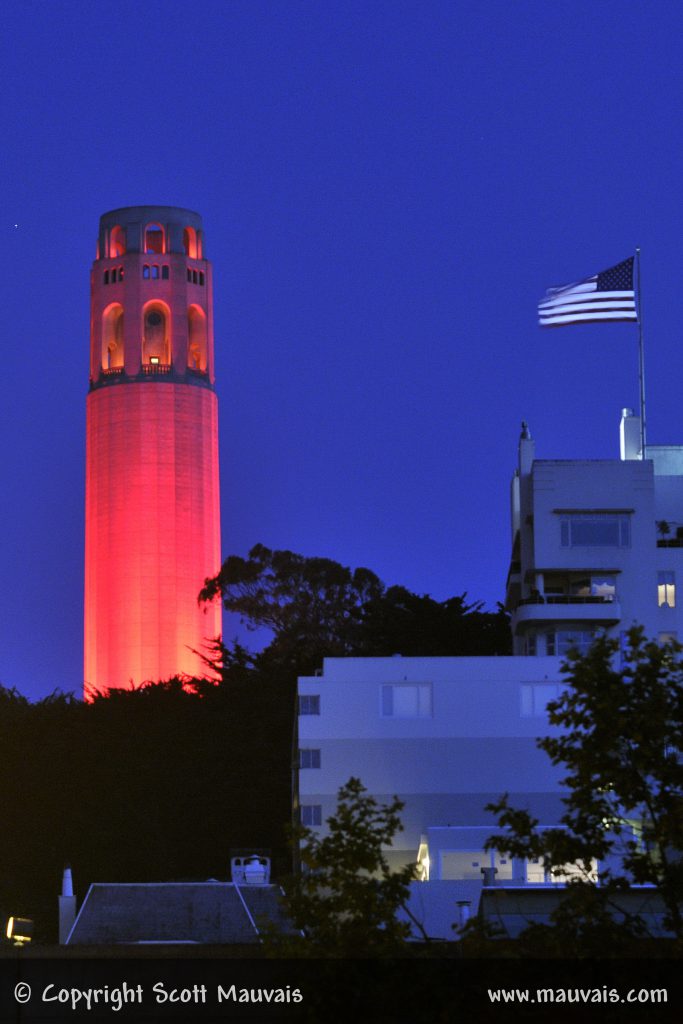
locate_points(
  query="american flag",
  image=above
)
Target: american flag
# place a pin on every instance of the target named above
(605, 296)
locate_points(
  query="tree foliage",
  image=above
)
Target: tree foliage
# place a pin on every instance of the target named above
(622, 748)
(152, 784)
(346, 899)
(317, 608)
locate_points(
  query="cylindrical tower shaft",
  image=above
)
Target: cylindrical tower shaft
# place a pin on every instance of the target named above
(152, 531)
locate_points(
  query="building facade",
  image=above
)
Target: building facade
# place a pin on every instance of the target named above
(152, 527)
(446, 735)
(596, 545)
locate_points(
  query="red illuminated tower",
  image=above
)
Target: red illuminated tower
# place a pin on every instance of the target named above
(152, 532)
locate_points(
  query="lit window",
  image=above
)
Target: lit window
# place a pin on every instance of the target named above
(311, 815)
(154, 360)
(309, 704)
(534, 698)
(407, 700)
(309, 758)
(595, 586)
(117, 241)
(595, 530)
(154, 238)
(666, 589)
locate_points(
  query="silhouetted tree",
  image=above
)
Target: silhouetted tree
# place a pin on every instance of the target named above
(346, 898)
(622, 748)
(317, 608)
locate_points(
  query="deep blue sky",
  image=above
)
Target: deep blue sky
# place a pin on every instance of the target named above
(387, 189)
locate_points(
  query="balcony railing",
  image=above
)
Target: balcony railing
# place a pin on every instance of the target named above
(155, 369)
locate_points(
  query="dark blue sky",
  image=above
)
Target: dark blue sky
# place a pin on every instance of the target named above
(387, 189)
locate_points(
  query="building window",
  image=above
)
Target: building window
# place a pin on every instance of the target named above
(666, 589)
(201, 277)
(309, 704)
(602, 586)
(190, 242)
(561, 641)
(309, 758)
(155, 273)
(145, 271)
(164, 272)
(117, 242)
(197, 339)
(311, 815)
(189, 274)
(120, 273)
(671, 637)
(154, 238)
(106, 277)
(595, 530)
(407, 700)
(535, 697)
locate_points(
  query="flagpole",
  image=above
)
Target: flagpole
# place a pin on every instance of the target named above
(641, 358)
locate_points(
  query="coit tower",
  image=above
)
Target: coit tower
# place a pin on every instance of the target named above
(152, 530)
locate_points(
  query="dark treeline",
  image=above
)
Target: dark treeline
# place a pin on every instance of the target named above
(139, 785)
(162, 782)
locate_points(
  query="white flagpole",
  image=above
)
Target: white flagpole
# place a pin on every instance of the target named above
(641, 358)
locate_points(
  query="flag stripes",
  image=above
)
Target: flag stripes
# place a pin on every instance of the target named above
(604, 297)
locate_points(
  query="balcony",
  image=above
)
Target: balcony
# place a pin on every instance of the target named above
(568, 607)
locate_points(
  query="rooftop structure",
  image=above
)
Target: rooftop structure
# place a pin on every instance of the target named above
(596, 545)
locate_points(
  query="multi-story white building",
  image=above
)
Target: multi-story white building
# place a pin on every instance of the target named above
(596, 545)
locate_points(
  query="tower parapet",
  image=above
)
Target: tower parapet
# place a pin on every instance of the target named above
(152, 298)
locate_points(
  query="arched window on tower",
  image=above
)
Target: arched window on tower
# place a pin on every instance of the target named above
(156, 340)
(190, 242)
(196, 339)
(112, 337)
(154, 238)
(117, 242)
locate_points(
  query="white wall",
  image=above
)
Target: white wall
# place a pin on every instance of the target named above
(477, 743)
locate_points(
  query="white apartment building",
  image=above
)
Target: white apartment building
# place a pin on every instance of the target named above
(596, 545)
(446, 735)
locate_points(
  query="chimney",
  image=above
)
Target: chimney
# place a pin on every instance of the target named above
(67, 906)
(527, 450)
(629, 436)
